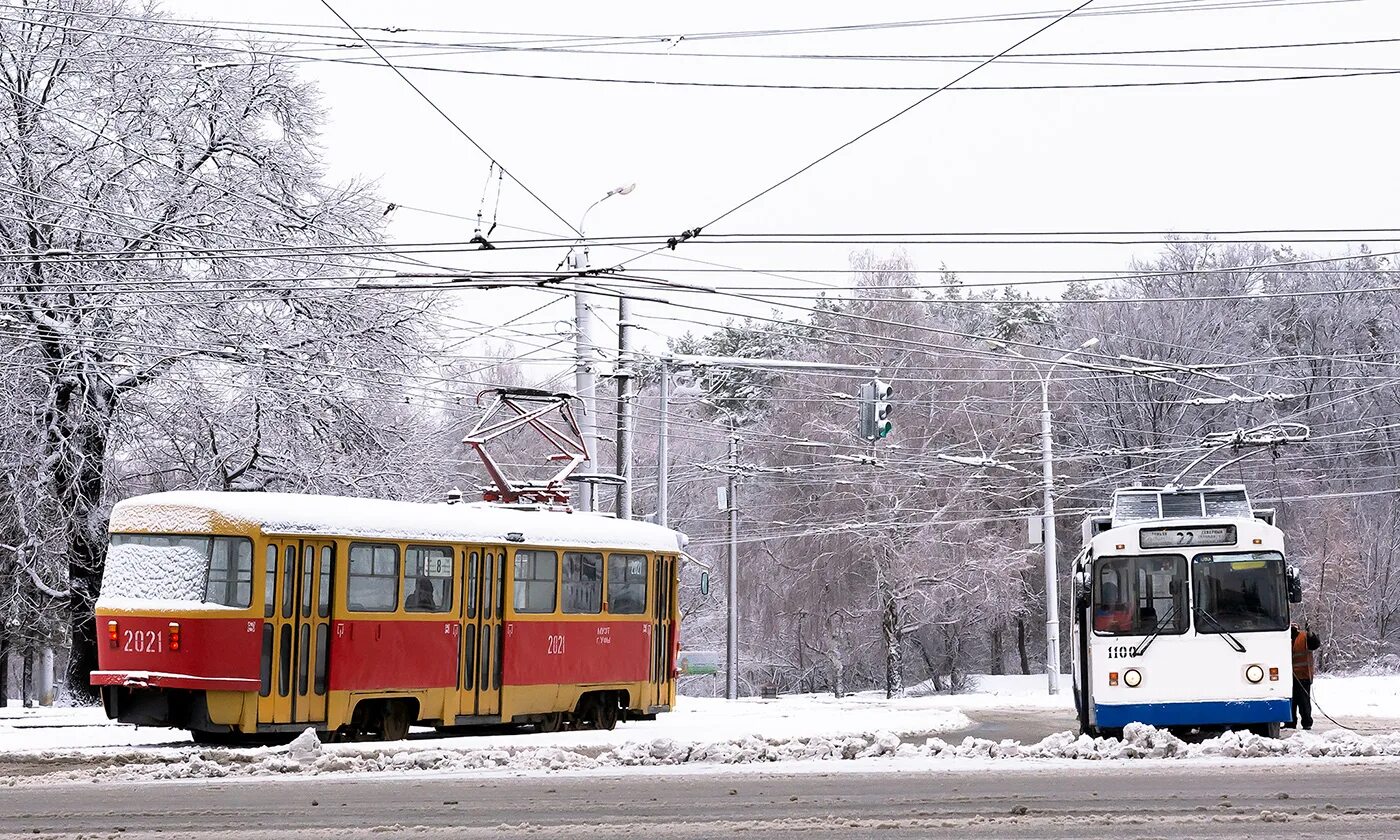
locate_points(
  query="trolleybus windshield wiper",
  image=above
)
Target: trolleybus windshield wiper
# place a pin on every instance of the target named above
(1225, 634)
(1161, 625)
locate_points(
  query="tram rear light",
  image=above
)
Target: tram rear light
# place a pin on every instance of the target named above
(1273, 675)
(1132, 678)
(1113, 678)
(1254, 674)
(112, 633)
(174, 635)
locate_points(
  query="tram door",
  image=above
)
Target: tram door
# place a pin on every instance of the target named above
(479, 663)
(661, 630)
(296, 631)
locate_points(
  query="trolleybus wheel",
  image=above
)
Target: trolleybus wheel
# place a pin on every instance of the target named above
(1266, 730)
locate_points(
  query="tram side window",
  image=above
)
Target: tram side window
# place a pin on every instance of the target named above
(1135, 596)
(535, 573)
(627, 584)
(583, 582)
(230, 580)
(428, 575)
(373, 581)
(1240, 592)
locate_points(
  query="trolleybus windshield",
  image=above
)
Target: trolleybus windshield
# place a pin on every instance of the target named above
(1240, 592)
(1135, 596)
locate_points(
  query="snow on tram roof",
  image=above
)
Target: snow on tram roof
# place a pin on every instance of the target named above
(203, 511)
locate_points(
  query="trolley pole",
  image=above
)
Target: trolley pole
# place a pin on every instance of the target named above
(731, 653)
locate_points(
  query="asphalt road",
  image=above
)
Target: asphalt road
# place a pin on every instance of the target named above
(1125, 800)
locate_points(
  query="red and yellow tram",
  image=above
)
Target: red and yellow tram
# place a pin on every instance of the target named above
(242, 614)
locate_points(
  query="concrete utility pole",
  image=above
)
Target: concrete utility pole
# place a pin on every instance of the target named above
(585, 351)
(731, 651)
(1047, 468)
(625, 396)
(663, 453)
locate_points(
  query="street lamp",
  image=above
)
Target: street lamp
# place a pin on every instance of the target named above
(1047, 523)
(585, 349)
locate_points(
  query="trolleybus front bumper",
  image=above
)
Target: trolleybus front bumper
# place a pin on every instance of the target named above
(1201, 713)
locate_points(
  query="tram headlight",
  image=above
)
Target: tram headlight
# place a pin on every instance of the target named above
(1132, 678)
(1254, 673)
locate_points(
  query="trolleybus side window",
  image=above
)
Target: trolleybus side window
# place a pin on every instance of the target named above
(1240, 592)
(373, 581)
(270, 583)
(535, 573)
(230, 580)
(627, 584)
(582, 582)
(427, 578)
(1135, 596)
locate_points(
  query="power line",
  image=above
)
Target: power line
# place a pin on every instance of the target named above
(449, 119)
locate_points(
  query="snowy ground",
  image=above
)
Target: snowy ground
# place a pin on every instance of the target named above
(863, 731)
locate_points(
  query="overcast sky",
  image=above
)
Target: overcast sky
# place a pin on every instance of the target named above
(1295, 154)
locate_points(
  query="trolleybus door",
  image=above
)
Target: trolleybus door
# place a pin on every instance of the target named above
(313, 638)
(479, 665)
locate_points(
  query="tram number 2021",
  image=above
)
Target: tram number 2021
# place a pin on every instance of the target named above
(141, 641)
(1121, 651)
(554, 646)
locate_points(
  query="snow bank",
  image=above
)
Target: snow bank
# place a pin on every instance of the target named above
(307, 756)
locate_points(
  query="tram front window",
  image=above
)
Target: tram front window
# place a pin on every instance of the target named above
(1136, 596)
(1240, 592)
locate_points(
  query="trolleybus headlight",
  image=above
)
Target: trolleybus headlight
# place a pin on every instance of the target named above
(1254, 674)
(1132, 678)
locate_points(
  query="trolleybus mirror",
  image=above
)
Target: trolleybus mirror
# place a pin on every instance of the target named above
(704, 583)
(1295, 585)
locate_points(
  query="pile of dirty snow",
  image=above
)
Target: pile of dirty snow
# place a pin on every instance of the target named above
(308, 756)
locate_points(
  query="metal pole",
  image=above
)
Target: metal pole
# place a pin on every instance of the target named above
(1052, 596)
(731, 653)
(624, 407)
(663, 459)
(583, 379)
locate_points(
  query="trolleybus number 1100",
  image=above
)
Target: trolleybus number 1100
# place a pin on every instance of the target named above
(1122, 652)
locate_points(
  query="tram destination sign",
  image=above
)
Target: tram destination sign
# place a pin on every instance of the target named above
(1194, 535)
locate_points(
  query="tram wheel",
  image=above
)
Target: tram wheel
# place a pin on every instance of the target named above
(393, 722)
(552, 722)
(608, 713)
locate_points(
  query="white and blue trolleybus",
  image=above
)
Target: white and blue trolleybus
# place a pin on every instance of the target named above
(1181, 614)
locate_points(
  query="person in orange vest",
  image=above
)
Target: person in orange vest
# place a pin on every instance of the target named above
(1305, 641)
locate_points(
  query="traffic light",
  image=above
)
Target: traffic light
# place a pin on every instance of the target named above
(875, 410)
(881, 407)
